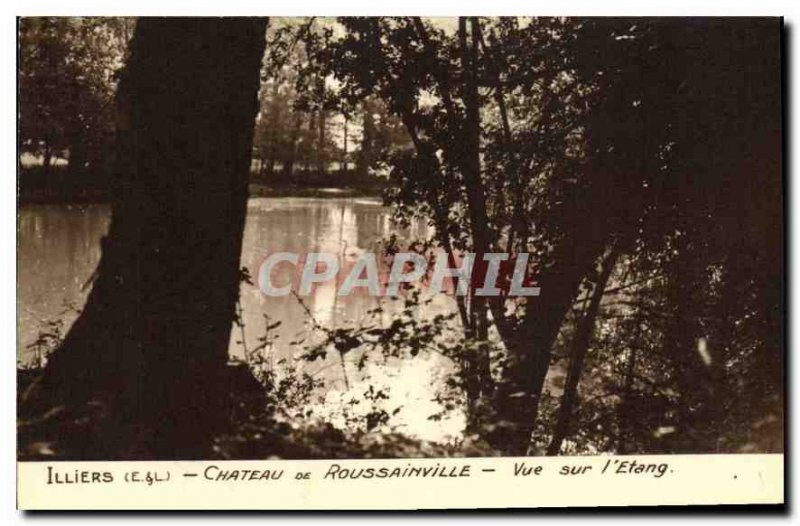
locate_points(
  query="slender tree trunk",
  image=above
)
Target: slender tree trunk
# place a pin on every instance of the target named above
(471, 132)
(580, 346)
(288, 165)
(344, 153)
(365, 155)
(47, 158)
(478, 363)
(321, 156)
(77, 154)
(262, 166)
(518, 393)
(151, 342)
(624, 415)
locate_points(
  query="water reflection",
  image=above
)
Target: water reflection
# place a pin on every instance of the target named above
(59, 249)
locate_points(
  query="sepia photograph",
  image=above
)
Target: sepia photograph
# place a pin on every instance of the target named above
(357, 238)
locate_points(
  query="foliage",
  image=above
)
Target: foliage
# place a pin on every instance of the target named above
(67, 79)
(304, 135)
(567, 138)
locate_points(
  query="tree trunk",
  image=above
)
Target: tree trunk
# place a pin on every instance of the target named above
(152, 340)
(478, 366)
(288, 164)
(47, 158)
(344, 153)
(321, 156)
(624, 414)
(365, 155)
(580, 346)
(517, 394)
(77, 155)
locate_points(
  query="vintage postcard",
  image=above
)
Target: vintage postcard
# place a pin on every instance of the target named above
(399, 262)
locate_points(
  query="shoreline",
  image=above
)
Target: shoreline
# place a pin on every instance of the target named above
(52, 197)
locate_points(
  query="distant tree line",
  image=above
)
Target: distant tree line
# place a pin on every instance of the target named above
(68, 74)
(306, 136)
(67, 78)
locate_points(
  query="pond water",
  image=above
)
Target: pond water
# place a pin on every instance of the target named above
(58, 249)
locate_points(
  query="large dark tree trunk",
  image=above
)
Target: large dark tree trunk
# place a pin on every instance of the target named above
(152, 341)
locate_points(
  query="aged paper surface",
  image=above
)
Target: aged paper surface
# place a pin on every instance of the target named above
(369, 484)
(399, 262)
